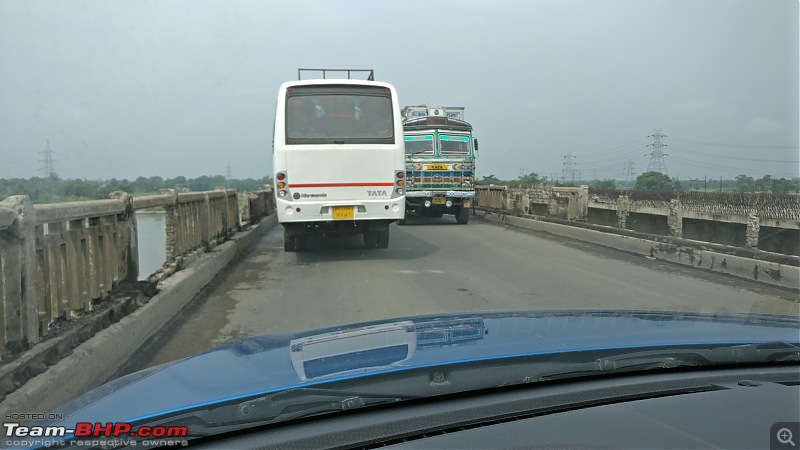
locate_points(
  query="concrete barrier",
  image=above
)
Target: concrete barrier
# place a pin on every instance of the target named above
(756, 221)
(775, 274)
(93, 362)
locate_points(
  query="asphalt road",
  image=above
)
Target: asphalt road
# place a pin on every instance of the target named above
(434, 266)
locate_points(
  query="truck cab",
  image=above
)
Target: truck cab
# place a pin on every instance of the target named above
(440, 161)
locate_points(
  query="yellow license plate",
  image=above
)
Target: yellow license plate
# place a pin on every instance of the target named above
(467, 203)
(343, 213)
(438, 200)
(436, 167)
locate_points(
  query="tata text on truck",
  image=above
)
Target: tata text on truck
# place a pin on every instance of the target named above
(440, 161)
(338, 158)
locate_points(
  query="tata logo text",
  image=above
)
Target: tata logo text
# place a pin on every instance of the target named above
(377, 193)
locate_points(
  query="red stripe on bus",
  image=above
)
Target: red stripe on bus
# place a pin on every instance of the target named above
(318, 185)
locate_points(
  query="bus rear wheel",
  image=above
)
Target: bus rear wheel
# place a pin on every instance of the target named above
(289, 242)
(383, 238)
(370, 239)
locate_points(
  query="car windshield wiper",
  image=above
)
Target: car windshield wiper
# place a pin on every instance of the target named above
(279, 407)
(676, 357)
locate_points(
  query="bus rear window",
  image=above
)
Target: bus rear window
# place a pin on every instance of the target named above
(344, 114)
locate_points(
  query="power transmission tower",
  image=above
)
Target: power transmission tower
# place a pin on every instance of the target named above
(657, 163)
(48, 164)
(568, 172)
(228, 174)
(629, 171)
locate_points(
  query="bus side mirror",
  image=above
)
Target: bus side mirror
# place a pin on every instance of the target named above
(476, 146)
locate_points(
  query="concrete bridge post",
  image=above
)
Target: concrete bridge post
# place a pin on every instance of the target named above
(623, 210)
(205, 224)
(130, 236)
(675, 218)
(578, 207)
(753, 230)
(19, 319)
(171, 225)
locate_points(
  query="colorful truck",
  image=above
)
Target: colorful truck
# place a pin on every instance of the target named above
(440, 161)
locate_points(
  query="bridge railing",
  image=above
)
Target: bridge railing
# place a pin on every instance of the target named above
(56, 260)
(490, 197)
(259, 204)
(759, 221)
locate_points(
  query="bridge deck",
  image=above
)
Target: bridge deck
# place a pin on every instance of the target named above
(433, 266)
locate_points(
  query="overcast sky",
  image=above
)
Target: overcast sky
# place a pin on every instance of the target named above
(184, 87)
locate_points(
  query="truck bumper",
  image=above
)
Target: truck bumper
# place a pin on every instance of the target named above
(440, 202)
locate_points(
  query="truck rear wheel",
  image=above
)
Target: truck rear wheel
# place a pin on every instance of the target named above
(462, 216)
(383, 238)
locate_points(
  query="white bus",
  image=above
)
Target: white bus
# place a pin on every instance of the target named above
(339, 159)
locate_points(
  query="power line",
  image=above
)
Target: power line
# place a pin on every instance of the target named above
(739, 170)
(628, 153)
(696, 152)
(719, 144)
(613, 149)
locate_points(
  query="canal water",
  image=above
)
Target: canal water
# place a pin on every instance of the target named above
(152, 241)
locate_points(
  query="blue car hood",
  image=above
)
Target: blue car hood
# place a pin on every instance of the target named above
(267, 364)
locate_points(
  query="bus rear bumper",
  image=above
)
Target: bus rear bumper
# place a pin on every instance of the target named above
(353, 216)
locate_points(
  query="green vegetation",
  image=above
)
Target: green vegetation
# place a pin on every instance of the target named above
(656, 181)
(55, 190)
(531, 179)
(491, 179)
(779, 186)
(604, 184)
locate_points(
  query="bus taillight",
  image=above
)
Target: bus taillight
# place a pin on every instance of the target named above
(281, 176)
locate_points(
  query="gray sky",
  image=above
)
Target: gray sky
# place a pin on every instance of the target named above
(180, 87)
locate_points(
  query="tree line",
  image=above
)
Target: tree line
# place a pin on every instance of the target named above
(656, 181)
(54, 189)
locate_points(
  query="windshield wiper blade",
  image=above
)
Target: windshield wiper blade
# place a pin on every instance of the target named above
(279, 407)
(678, 357)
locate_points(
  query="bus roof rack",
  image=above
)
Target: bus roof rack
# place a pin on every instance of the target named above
(370, 77)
